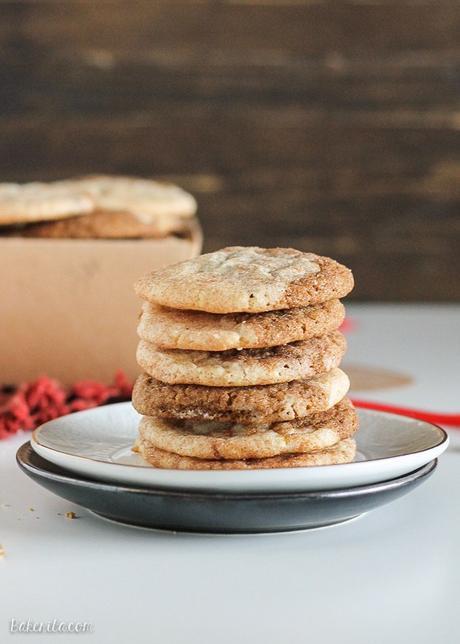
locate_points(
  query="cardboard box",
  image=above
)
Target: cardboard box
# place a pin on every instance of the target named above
(67, 306)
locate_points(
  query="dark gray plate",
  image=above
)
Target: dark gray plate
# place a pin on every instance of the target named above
(216, 512)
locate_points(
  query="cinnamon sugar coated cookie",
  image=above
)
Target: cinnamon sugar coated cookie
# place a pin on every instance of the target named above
(214, 440)
(198, 331)
(263, 404)
(247, 279)
(240, 351)
(108, 224)
(21, 203)
(298, 360)
(343, 452)
(145, 198)
(97, 207)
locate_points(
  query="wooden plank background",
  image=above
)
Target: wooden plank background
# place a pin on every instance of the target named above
(329, 126)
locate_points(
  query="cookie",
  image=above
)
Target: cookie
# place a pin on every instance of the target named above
(234, 368)
(197, 331)
(252, 280)
(214, 440)
(27, 202)
(105, 224)
(343, 452)
(145, 198)
(264, 404)
(119, 207)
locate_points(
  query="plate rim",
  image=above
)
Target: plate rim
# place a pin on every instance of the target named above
(336, 493)
(444, 439)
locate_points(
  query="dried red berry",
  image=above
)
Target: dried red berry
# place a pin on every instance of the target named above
(34, 403)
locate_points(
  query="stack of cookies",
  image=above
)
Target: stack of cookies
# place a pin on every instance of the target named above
(240, 350)
(95, 207)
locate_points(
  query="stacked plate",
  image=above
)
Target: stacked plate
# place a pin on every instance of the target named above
(86, 458)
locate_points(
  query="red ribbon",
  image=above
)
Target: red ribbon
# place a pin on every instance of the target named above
(451, 420)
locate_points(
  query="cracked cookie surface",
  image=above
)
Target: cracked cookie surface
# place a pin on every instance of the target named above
(216, 440)
(246, 405)
(245, 367)
(199, 331)
(343, 452)
(97, 207)
(247, 279)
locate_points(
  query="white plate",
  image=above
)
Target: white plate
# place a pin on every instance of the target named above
(97, 443)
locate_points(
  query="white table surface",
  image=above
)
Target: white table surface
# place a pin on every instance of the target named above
(392, 576)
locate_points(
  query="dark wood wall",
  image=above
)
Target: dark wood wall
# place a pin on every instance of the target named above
(329, 126)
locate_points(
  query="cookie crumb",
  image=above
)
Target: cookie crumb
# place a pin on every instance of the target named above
(2, 552)
(70, 515)
(31, 510)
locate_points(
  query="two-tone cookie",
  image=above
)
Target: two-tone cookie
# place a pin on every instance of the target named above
(217, 440)
(263, 404)
(247, 279)
(343, 452)
(36, 201)
(119, 207)
(199, 331)
(107, 224)
(295, 361)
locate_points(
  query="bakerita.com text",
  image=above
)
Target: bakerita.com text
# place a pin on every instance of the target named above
(52, 626)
